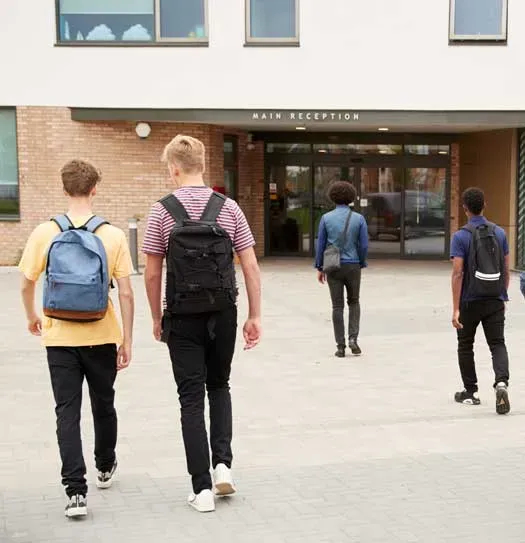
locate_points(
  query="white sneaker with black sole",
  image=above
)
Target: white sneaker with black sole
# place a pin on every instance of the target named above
(76, 506)
(502, 399)
(203, 502)
(222, 476)
(105, 479)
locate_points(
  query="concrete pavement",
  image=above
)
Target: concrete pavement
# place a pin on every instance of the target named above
(367, 450)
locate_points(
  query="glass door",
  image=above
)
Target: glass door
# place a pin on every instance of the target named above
(290, 197)
(323, 178)
(380, 203)
(425, 209)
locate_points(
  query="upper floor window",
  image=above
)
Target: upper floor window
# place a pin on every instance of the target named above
(478, 20)
(9, 204)
(272, 21)
(83, 22)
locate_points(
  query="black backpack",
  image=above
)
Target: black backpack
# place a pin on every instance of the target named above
(201, 272)
(486, 263)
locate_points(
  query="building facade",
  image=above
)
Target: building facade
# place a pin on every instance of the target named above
(411, 102)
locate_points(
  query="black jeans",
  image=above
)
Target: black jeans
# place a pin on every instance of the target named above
(491, 314)
(68, 366)
(201, 350)
(349, 278)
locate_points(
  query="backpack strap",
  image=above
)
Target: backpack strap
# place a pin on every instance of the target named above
(94, 224)
(63, 222)
(213, 207)
(173, 206)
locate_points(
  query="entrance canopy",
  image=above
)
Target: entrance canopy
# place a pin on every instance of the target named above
(324, 120)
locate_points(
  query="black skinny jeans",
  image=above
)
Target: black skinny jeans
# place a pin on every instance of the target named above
(491, 314)
(201, 350)
(349, 278)
(68, 366)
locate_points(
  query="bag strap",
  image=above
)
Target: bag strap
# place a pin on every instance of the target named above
(63, 222)
(93, 224)
(343, 236)
(173, 206)
(213, 207)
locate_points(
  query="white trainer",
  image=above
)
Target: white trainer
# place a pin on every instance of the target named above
(203, 502)
(223, 481)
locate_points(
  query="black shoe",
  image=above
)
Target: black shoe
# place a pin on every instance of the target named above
(467, 398)
(340, 353)
(502, 399)
(354, 347)
(76, 506)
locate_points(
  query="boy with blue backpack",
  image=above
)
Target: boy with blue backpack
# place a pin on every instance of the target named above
(79, 255)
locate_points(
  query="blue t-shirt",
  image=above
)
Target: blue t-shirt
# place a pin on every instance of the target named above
(460, 248)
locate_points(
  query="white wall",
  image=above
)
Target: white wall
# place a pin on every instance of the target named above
(355, 54)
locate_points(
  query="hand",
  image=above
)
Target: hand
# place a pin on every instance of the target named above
(124, 356)
(321, 277)
(455, 320)
(157, 329)
(252, 333)
(34, 324)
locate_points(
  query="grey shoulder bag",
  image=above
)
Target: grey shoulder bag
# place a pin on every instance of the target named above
(332, 254)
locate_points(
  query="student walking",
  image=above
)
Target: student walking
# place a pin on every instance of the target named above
(79, 253)
(196, 230)
(480, 281)
(347, 232)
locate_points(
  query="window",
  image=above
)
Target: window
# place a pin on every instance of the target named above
(83, 22)
(272, 21)
(478, 20)
(9, 205)
(231, 166)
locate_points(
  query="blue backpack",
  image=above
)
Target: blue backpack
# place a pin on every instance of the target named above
(76, 286)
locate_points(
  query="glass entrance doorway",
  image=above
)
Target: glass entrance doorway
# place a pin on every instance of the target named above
(403, 196)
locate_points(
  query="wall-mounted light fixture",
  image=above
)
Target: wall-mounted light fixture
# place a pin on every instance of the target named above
(143, 130)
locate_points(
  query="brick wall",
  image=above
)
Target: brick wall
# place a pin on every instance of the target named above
(133, 176)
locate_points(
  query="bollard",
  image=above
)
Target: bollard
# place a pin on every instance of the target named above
(133, 245)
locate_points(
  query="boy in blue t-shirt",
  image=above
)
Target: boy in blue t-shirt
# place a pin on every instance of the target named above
(469, 311)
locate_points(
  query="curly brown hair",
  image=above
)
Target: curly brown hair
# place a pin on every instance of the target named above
(79, 178)
(342, 193)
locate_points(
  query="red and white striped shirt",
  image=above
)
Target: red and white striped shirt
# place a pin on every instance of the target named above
(194, 200)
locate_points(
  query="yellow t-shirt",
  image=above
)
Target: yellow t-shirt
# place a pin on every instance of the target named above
(59, 333)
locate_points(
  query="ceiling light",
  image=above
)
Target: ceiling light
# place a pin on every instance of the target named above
(300, 127)
(383, 129)
(443, 152)
(322, 151)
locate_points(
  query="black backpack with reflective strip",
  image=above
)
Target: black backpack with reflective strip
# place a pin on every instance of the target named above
(200, 266)
(486, 263)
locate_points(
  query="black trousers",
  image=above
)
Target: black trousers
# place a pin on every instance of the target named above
(68, 366)
(491, 314)
(201, 349)
(349, 278)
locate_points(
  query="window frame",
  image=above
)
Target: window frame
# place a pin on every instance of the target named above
(14, 217)
(479, 38)
(233, 166)
(251, 41)
(158, 41)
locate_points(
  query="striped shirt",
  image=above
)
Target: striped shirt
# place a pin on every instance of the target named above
(194, 200)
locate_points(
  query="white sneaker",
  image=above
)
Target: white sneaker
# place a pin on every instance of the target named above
(203, 502)
(105, 479)
(223, 481)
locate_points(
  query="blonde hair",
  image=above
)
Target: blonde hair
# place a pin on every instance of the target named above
(186, 152)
